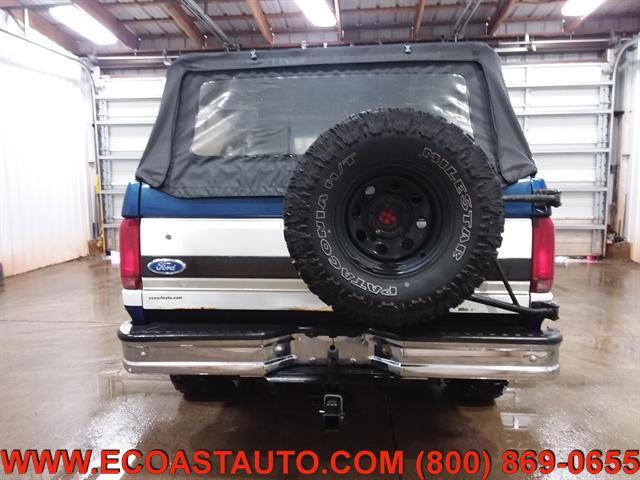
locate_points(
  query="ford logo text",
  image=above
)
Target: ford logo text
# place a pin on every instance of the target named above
(166, 266)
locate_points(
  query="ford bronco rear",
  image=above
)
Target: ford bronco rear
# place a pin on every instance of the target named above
(339, 214)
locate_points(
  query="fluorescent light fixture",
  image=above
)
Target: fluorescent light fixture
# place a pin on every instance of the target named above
(84, 24)
(317, 12)
(580, 8)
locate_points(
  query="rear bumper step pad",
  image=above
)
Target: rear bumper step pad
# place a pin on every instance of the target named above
(497, 352)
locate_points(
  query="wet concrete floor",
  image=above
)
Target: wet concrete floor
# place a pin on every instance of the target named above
(62, 386)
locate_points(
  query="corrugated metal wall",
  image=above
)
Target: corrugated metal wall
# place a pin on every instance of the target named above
(45, 147)
(627, 154)
(564, 109)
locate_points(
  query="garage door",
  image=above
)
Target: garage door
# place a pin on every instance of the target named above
(564, 110)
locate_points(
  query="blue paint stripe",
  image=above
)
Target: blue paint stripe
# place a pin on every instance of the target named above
(130, 206)
(143, 201)
(518, 210)
(524, 209)
(154, 203)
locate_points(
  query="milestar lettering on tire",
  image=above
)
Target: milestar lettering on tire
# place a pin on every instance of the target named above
(393, 216)
(465, 200)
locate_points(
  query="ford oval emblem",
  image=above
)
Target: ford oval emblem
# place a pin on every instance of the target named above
(166, 266)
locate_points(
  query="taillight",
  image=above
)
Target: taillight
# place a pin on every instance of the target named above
(130, 253)
(543, 255)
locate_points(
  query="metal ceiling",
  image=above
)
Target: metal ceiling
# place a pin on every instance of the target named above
(281, 23)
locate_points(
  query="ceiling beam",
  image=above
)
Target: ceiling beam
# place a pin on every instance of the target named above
(12, 4)
(398, 26)
(261, 20)
(300, 16)
(45, 5)
(185, 22)
(535, 18)
(48, 29)
(417, 19)
(572, 25)
(52, 32)
(502, 10)
(100, 13)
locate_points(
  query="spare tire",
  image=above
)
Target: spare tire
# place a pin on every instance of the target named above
(393, 216)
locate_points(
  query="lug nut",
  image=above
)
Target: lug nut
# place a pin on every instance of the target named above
(279, 349)
(386, 350)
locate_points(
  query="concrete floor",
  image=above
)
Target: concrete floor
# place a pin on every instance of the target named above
(61, 384)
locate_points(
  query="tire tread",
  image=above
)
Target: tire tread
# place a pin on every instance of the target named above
(299, 221)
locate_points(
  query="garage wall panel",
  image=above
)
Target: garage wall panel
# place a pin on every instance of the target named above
(126, 138)
(627, 155)
(565, 112)
(566, 130)
(562, 107)
(126, 108)
(45, 149)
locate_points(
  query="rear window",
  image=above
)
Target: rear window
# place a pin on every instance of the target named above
(284, 114)
(231, 125)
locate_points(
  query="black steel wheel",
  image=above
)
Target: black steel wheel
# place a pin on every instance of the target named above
(393, 216)
(394, 221)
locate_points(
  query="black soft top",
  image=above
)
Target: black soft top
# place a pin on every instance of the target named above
(171, 164)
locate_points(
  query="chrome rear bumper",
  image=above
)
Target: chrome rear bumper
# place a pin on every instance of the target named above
(467, 355)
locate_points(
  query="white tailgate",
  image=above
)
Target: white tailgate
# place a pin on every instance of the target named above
(263, 239)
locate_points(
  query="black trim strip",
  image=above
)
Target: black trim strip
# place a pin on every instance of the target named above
(228, 267)
(516, 269)
(172, 325)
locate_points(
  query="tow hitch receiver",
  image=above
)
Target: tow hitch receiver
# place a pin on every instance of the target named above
(332, 411)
